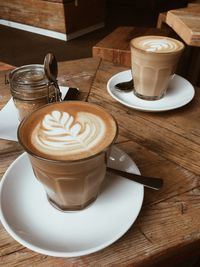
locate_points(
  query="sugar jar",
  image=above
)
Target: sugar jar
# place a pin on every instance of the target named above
(30, 88)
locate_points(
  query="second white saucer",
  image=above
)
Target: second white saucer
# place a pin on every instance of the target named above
(179, 93)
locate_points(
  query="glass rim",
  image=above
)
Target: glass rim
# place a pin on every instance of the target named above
(30, 67)
(31, 153)
(159, 37)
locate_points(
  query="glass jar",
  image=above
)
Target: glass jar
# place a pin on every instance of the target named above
(30, 89)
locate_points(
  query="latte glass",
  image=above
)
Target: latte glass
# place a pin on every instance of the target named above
(68, 144)
(154, 60)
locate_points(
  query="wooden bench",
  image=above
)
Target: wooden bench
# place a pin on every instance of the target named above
(67, 18)
(186, 23)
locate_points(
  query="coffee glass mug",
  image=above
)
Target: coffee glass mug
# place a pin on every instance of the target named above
(153, 60)
(68, 144)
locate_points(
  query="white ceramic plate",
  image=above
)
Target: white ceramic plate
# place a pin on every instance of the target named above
(179, 93)
(30, 219)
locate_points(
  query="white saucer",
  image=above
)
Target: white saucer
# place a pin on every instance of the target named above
(29, 218)
(179, 93)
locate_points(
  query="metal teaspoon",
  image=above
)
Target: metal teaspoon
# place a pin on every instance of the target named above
(51, 71)
(125, 86)
(151, 182)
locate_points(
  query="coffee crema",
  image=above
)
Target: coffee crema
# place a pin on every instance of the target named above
(68, 131)
(157, 44)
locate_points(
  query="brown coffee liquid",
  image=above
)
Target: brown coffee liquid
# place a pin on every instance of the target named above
(71, 185)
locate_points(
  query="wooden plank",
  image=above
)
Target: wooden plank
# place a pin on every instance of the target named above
(61, 16)
(38, 13)
(182, 22)
(115, 47)
(186, 23)
(161, 20)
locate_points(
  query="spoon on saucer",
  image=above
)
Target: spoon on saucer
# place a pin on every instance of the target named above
(125, 86)
(151, 182)
(51, 71)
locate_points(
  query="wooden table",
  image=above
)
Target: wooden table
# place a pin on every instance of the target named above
(186, 23)
(162, 144)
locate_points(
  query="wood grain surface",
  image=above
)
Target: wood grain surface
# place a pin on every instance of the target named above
(165, 144)
(43, 14)
(64, 16)
(186, 23)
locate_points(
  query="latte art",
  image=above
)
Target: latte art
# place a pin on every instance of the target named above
(68, 131)
(158, 45)
(60, 131)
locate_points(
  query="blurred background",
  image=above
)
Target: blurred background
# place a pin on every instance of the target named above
(18, 47)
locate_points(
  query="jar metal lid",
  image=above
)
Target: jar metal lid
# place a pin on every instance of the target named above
(29, 82)
(29, 76)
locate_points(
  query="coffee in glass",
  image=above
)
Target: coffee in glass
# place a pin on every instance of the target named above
(68, 144)
(154, 60)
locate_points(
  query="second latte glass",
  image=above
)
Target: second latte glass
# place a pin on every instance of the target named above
(154, 60)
